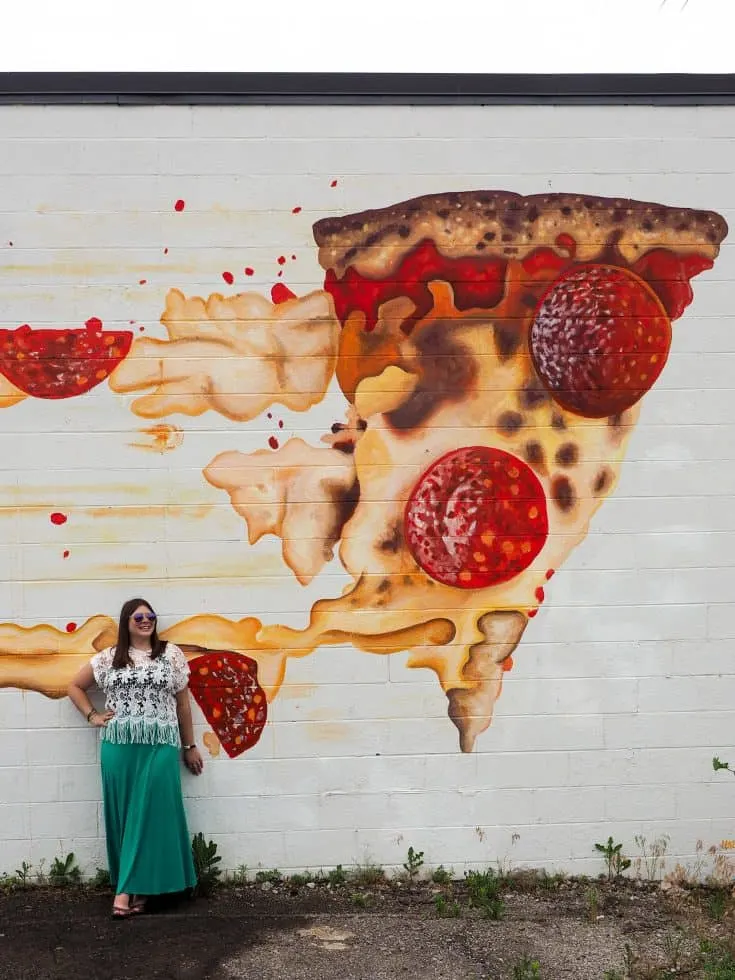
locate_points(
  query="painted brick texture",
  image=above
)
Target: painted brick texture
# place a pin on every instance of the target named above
(623, 686)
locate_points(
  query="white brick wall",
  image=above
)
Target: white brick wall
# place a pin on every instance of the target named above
(623, 686)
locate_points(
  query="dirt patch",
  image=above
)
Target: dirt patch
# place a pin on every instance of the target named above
(576, 930)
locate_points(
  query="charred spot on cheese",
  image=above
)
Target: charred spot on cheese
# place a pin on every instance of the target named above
(448, 369)
(391, 544)
(563, 493)
(557, 422)
(618, 424)
(509, 422)
(345, 502)
(603, 480)
(507, 339)
(534, 453)
(384, 586)
(533, 394)
(567, 455)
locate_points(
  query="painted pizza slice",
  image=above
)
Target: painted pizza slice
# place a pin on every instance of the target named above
(497, 347)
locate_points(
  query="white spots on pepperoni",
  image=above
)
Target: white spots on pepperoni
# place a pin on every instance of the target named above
(477, 517)
(599, 339)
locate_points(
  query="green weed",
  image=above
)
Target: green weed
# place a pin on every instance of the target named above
(206, 865)
(483, 893)
(445, 908)
(440, 876)
(526, 969)
(337, 877)
(367, 874)
(65, 872)
(101, 878)
(614, 858)
(273, 876)
(413, 864)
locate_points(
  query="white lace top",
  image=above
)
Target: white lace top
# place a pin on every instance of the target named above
(142, 696)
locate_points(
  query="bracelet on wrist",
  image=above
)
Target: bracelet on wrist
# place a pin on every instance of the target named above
(90, 713)
(187, 747)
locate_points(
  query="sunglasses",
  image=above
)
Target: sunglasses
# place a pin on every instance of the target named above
(143, 617)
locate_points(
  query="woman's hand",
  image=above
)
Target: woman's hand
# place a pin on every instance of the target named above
(193, 760)
(99, 719)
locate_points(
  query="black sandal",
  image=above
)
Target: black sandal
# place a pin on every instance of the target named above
(125, 911)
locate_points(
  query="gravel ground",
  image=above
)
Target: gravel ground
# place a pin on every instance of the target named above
(376, 933)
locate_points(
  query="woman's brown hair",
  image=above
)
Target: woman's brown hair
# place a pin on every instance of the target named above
(122, 657)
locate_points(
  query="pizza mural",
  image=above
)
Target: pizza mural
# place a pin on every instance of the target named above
(490, 353)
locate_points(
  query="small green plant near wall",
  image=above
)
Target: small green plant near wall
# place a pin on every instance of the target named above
(440, 876)
(271, 877)
(483, 893)
(367, 874)
(337, 877)
(101, 878)
(413, 864)
(64, 872)
(614, 858)
(206, 861)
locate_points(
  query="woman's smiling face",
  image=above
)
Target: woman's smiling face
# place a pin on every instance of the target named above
(142, 624)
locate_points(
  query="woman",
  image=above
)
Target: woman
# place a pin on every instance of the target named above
(147, 718)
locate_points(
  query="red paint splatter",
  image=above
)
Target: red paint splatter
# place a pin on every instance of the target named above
(65, 555)
(295, 210)
(165, 251)
(179, 205)
(333, 184)
(11, 244)
(71, 627)
(531, 613)
(539, 593)
(280, 293)
(270, 415)
(281, 259)
(93, 323)
(507, 664)
(142, 282)
(249, 271)
(141, 329)
(58, 518)
(549, 574)
(293, 258)
(273, 442)
(228, 278)
(131, 322)
(280, 423)
(280, 273)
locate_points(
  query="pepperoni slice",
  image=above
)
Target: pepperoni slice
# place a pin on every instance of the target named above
(599, 340)
(225, 686)
(477, 517)
(61, 363)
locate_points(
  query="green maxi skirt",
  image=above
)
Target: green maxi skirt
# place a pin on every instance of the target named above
(148, 845)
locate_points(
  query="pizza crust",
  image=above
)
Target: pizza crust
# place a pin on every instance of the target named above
(503, 225)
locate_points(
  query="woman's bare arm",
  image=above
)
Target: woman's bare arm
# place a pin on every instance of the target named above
(77, 692)
(192, 757)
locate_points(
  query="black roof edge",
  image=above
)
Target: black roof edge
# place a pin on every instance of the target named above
(337, 88)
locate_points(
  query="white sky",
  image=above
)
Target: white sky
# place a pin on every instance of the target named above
(369, 35)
